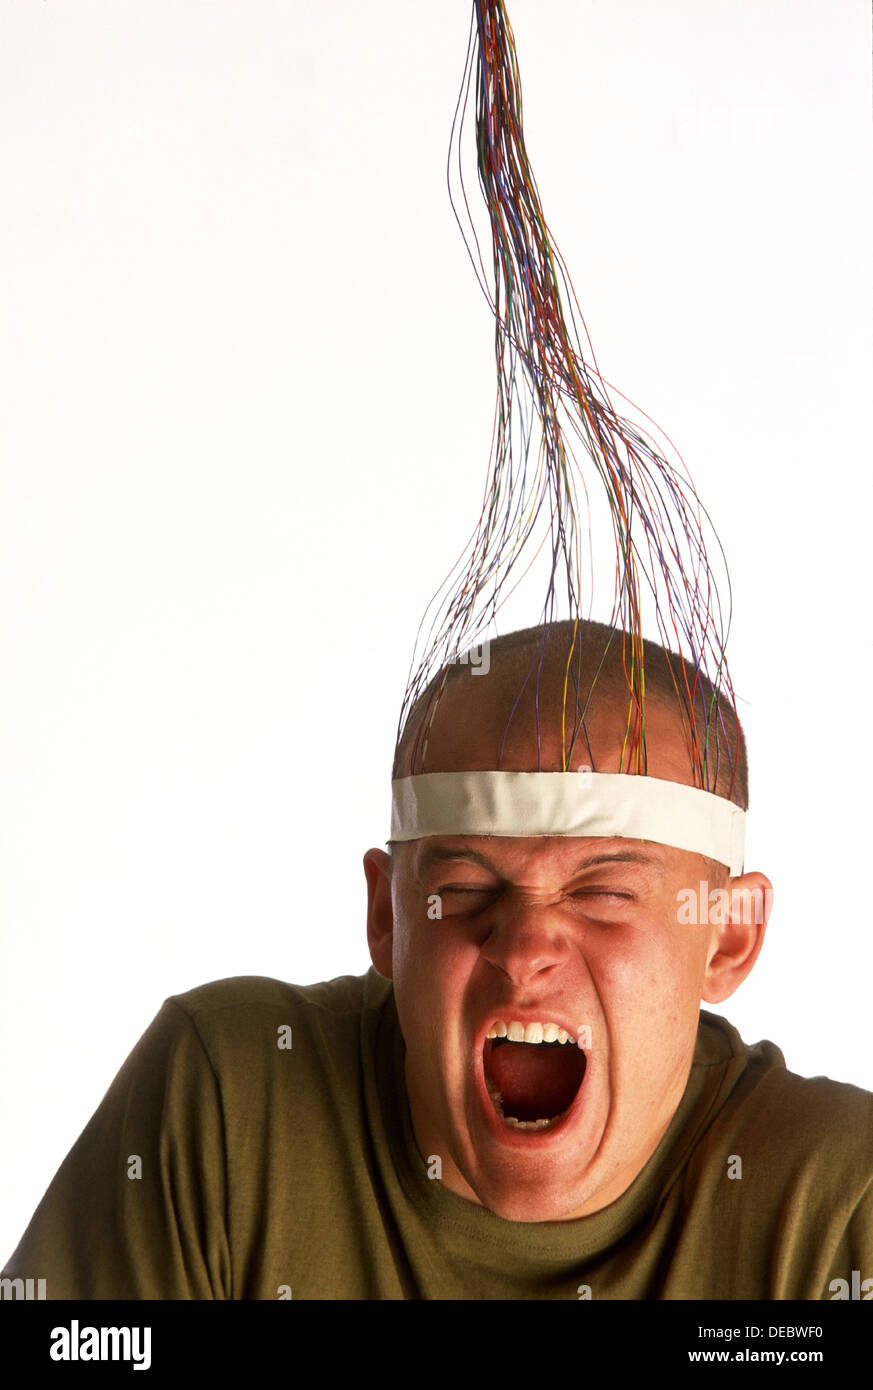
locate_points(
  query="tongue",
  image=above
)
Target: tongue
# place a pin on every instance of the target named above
(536, 1083)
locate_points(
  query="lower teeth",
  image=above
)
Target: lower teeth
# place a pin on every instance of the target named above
(497, 1101)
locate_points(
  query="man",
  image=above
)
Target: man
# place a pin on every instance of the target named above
(522, 1101)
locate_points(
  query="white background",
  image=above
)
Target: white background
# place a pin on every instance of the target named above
(246, 408)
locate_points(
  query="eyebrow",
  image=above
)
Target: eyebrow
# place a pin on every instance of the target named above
(435, 854)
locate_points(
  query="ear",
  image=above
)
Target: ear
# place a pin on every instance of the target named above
(380, 913)
(737, 939)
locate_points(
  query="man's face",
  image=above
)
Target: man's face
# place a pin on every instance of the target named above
(584, 934)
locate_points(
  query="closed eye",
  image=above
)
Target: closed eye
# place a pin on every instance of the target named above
(466, 900)
(467, 888)
(602, 893)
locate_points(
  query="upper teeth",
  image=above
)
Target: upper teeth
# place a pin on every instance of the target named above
(530, 1032)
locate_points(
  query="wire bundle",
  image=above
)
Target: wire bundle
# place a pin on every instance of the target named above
(549, 401)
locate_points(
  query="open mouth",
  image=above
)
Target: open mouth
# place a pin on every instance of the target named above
(532, 1072)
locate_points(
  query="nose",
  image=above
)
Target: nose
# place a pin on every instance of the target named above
(526, 939)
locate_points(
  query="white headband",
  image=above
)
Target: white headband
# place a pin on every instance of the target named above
(569, 804)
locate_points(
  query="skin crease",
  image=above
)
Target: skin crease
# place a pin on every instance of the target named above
(538, 929)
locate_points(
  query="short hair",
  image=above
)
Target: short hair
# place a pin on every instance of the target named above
(600, 665)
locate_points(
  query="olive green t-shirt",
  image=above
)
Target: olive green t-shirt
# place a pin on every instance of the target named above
(257, 1144)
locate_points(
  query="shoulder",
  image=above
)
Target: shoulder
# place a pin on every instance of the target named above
(793, 1121)
(760, 1070)
(242, 1023)
(242, 994)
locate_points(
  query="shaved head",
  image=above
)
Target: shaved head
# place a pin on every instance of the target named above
(512, 717)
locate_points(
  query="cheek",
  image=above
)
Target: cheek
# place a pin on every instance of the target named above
(430, 952)
(651, 1019)
(647, 976)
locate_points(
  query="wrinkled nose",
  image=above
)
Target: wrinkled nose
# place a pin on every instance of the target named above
(527, 940)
